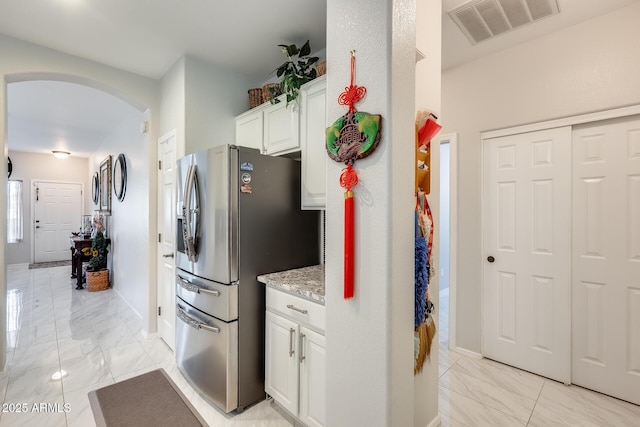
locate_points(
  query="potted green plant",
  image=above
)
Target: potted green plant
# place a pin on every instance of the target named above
(97, 272)
(297, 70)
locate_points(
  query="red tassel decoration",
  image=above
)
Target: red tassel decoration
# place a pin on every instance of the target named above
(348, 244)
(348, 179)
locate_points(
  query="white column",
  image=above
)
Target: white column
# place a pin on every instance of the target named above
(428, 83)
(370, 337)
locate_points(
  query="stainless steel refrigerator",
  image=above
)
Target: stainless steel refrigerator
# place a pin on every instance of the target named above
(238, 216)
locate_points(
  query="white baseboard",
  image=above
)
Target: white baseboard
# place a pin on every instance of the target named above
(435, 422)
(468, 353)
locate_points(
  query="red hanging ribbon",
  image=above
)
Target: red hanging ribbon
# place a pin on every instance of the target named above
(348, 180)
(353, 93)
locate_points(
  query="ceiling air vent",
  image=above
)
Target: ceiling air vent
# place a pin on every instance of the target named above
(482, 20)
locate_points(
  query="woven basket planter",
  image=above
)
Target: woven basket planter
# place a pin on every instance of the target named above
(321, 69)
(255, 97)
(97, 280)
(266, 93)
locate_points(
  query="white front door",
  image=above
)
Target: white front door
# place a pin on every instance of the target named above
(57, 212)
(166, 240)
(606, 258)
(527, 252)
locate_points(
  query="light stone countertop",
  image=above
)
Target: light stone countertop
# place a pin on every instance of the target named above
(306, 282)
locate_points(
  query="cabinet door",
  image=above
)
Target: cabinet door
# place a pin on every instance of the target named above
(249, 128)
(313, 124)
(281, 361)
(281, 128)
(312, 378)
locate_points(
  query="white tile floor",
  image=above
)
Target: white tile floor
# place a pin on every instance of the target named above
(96, 339)
(93, 336)
(480, 392)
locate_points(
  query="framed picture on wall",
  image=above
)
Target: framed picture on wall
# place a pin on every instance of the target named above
(105, 186)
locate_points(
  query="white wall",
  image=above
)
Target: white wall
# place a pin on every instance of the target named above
(370, 337)
(29, 166)
(173, 107)
(128, 228)
(589, 67)
(213, 97)
(25, 61)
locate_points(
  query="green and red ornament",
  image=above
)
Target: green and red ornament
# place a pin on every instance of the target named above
(352, 137)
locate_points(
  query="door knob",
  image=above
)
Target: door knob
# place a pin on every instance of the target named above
(167, 256)
(490, 258)
(37, 226)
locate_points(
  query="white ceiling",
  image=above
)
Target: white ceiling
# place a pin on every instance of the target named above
(456, 49)
(148, 36)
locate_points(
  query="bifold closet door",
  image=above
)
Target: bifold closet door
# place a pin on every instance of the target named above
(606, 258)
(527, 251)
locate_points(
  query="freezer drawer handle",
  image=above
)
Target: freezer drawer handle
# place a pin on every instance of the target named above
(299, 310)
(194, 288)
(193, 322)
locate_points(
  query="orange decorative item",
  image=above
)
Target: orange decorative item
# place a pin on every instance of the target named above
(353, 136)
(426, 129)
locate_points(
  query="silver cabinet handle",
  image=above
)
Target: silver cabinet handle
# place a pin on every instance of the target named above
(301, 351)
(194, 288)
(167, 256)
(180, 313)
(299, 310)
(209, 328)
(291, 334)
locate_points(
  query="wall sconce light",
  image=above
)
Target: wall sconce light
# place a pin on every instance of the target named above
(61, 154)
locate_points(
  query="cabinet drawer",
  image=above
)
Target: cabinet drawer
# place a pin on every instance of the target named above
(298, 309)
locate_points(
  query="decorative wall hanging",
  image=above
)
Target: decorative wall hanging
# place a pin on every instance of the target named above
(95, 188)
(105, 186)
(352, 137)
(425, 326)
(426, 129)
(120, 177)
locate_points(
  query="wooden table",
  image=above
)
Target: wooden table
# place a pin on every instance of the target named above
(77, 258)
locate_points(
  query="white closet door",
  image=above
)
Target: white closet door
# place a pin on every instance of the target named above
(527, 231)
(606, 258)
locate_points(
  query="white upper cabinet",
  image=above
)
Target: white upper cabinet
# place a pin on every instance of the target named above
(249, 130)
(281, 128)
(276, 129)
(313, 125)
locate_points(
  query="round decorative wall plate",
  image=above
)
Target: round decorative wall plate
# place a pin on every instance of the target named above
(120, 177)
(95, 188)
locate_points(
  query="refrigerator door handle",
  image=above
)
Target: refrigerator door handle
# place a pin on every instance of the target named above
(194, 288)
(180, 313)
(190, 229)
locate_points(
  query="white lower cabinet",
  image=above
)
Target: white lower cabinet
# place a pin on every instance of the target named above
(295, 356)
(312, 378)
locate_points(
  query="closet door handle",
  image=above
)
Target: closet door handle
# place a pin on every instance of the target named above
(490, 258)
